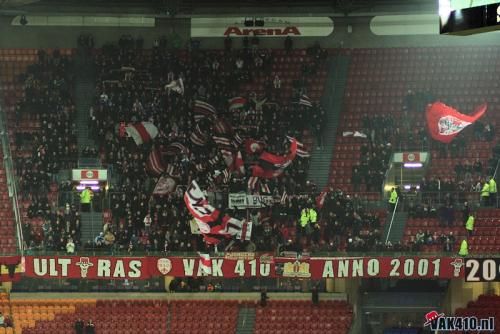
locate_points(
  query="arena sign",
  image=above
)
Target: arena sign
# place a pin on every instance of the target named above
(237, 267)
(261, 27)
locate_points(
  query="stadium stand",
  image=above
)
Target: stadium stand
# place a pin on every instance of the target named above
(59, 316)
(184, 320)
(398, 83)
(434, 234)
(484, 307)
(36, 83)
(300, 317)
(7, 224)
(254, 82)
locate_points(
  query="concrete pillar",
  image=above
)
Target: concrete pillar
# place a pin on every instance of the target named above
(7, 286)
(168, 280)
(330, 285)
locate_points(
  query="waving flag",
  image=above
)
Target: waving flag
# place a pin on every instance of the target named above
(164, 186)
(205, 263)
(214, 225)
(445, 122)
(272, 161)
(197, 204)
(305, 101)
(142, 132)
(198, 137)
(236, 103)
(301, 148)
(222, 127)
(320, 199)
(253, 146)
(176, 86)
(258, 171)
(203, 110)
(176, 148)
(155, 165)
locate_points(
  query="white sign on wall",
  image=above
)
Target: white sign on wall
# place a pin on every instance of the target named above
(266, 27)
(89, 174)
(244, 201)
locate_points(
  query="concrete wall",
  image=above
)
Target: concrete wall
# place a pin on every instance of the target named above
(65, 37)
(361, 36)
(460, 293)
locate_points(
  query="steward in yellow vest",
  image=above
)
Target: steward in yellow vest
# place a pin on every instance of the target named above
(464, 248)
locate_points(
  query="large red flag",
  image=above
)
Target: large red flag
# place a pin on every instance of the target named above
(445, 122)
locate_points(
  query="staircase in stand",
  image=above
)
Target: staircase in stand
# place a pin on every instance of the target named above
(398, 227)
(84, 95)
(91, 226)
(246, 320)
(332, 101)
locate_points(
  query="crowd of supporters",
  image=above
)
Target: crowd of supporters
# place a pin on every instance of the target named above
(132, 86)
(48, 99)
(60, 230)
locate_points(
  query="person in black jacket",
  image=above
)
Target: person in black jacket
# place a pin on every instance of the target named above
(79, 326)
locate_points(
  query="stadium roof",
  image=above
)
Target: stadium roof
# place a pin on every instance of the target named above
(226, 7)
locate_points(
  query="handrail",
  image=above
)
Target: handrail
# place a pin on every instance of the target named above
(496, 168)
(11, 180)
(392, 219)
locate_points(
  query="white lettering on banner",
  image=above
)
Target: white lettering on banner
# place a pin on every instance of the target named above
(52, 267)
(437, 264)
(423, 267)
(135, 269)
(265, 269)
(40, 266)
(200, 271)
(328, 269)
(188, 266)
(103, 268)
(395, 263)
(409, 267)
(373, 267)
(119, 269)
(357, 268)
(343, 268)
(240, 268)
(217, 267)
(64, 266)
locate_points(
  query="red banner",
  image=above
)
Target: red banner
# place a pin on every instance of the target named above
(263, 266)
(87, 267)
